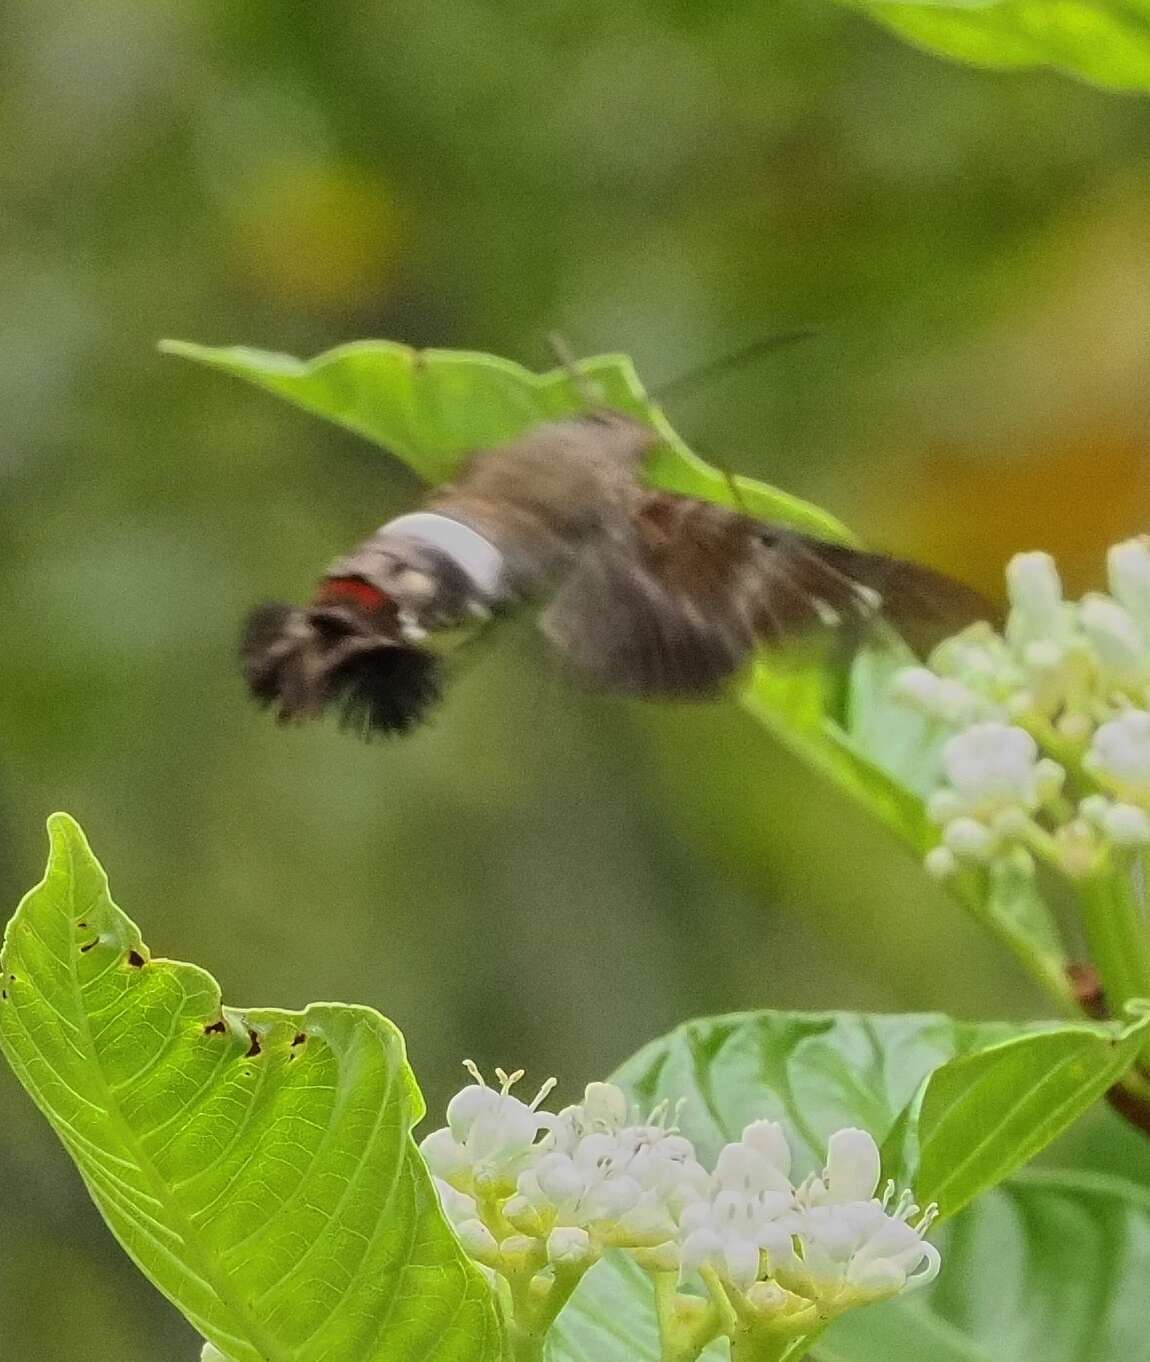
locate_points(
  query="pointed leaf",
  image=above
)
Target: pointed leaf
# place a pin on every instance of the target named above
(956, 1105)
(257, 1165)
(432, 407)
(985, 1114)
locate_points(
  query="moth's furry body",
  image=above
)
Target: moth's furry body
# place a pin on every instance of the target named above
(645, 592)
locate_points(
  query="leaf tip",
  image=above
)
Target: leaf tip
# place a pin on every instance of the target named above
(186, 349)
(64, 830)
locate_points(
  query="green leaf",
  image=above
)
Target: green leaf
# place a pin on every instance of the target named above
(956, 1105)
(433, 407)
(795, 705)
(813, 1071)
(1048, 1265)
(1105, 42)
(257, 1165)
(985, 1114)
(889, 735)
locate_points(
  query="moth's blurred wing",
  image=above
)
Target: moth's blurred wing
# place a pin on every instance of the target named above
(923, 605)
(623, 627)
(675, 607)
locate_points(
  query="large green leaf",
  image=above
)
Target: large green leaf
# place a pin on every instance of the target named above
(258, 1164)
(957, 1105)
(1048, 1266)
(795, 705)
(1106, 42)
(432, 407)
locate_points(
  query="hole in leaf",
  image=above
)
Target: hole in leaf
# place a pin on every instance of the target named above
(216, 1028)
(87, 946)
(299, 1038)
(255, 1047)
(136, 960)
(81, 926)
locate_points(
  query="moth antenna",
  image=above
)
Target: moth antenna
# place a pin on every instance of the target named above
(732, 359)
(590, 392)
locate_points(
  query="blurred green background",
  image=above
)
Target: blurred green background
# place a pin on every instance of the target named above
(543, 877)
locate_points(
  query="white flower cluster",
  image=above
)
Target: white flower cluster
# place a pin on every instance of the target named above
(1060, 698)
(540, 1196)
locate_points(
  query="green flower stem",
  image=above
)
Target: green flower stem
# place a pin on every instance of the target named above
(1114, 920)
(971, 889)
(535, 1305)
(762, 1344)
(686, 1323)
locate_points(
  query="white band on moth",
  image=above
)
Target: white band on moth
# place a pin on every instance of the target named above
(477, 556)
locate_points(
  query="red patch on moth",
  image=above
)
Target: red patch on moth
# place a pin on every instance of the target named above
(354, 589)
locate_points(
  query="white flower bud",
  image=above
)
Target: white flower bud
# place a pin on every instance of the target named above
(1128, 570)
(1127, 826)
(605, 1104)
(944, 806)
(1012, 824)
(1075, 727)
(917, 686)
(478, 1242)
(569, 1246)
(518, 1252)
(940, 863)
(1119, 756)
(1094, 809)
(957, 704)
(980, 674)
(767, 1138)
(1035, 591)
(969, 839)
(443, 1156)
(939, 697)
(1117, 639)
(992, 766)
(1049, 779)
(527, 1216)
(851, 1173)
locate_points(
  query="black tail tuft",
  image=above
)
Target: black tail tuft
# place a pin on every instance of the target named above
(387, 691)
(305, 662)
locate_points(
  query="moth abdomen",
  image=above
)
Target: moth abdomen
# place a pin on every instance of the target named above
(306, 661)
